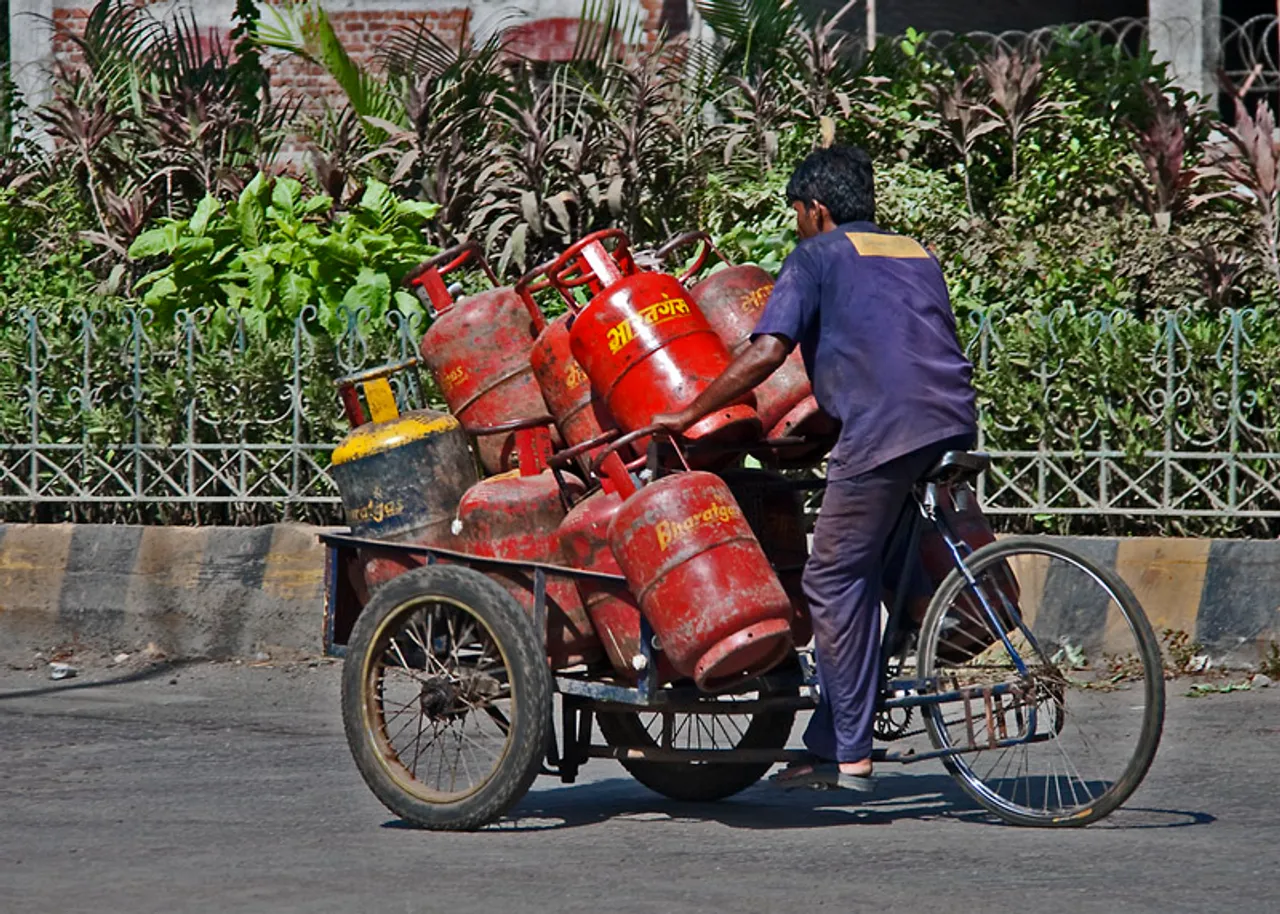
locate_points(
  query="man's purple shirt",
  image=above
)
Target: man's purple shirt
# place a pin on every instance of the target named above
(871, 314)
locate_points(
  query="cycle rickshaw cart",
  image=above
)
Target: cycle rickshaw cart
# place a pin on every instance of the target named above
(1033, 671)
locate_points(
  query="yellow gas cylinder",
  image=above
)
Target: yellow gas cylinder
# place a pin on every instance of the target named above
(401, 475)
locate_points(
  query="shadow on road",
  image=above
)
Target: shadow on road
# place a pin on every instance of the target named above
(150, 671)
(898, 797)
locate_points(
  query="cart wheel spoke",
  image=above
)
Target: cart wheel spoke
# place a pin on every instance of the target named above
(705, 780)
(446, 697)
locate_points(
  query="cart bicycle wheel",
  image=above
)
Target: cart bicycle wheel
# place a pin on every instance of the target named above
(700, 782)
(446, 698)
(1067, 741)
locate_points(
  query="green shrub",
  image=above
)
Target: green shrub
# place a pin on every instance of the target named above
(277, 251)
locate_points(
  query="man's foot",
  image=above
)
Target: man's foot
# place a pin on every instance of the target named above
(821, 774)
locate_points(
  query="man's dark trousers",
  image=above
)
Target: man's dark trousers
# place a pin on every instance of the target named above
(843, 581)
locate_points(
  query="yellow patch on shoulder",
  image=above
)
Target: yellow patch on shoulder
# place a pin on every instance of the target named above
(873, 244)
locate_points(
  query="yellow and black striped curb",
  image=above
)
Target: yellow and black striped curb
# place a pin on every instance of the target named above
(212, 592)
(1224, 594)
(229, 591)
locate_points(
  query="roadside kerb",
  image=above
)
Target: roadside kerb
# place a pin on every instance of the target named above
(221, 592)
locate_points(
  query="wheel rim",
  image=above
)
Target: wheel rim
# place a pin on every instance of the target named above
(439, 701)
(1095, 698)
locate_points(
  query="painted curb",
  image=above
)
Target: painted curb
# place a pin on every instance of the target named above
(194, 592)
(220, 592)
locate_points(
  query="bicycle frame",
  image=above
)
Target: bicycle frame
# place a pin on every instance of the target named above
(920, 509)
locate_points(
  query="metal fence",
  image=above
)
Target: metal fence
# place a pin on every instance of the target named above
(117, 415)
(1168, 421)
(1102, 421)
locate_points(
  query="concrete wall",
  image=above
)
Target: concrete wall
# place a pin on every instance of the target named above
(230, 591)
(31, 48)
(1186, 34)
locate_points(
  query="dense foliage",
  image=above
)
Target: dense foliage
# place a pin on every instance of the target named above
(266, 257)
(1055, 186)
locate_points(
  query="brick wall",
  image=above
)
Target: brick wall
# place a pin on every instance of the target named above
(364, 25)
(546, 30)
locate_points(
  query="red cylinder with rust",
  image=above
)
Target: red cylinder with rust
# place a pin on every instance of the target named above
(584, 540)
(518, 518)
(775, 512)
(478, 352)
(702, 580)
(732, 300)
(580, 415)
(644, 344)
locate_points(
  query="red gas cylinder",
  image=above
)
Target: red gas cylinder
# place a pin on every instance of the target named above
(775, 511)
(478, 351)
(732, 299)
(517, 517)
(565, 386)
(806, 420)
(645, 346)
(702, 580)
(570, 397)
(584, 539)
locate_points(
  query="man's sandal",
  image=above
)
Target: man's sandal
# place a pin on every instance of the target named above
(822, 776)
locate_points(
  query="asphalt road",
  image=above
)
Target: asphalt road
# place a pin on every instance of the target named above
(221, 788)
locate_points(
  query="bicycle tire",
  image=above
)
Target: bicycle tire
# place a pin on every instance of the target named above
(1148, 655)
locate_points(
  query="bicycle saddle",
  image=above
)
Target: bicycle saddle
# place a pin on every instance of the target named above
(958, 466)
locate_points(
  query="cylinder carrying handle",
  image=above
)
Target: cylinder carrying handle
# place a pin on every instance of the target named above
(684, 240)
(377, 392)
(530, 284)
(608, 464)
(427, 280)
(449, 260)
(563, 459)
(587, 262)
(532, 440)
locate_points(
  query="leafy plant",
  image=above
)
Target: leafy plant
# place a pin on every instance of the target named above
(275, 251)
(156, 115)
(963, 120)
(1249, 163)
(1163, 141)
(1016, 101)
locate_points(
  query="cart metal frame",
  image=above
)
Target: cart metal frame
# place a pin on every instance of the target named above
(586, 693)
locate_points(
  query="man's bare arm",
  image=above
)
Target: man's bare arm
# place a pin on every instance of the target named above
(755, 363)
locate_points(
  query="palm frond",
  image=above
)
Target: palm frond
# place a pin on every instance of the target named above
(304, 29)
(117, 35)
(755, 33)
(606, 28)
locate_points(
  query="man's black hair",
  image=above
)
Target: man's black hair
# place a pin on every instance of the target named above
(840, 178)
